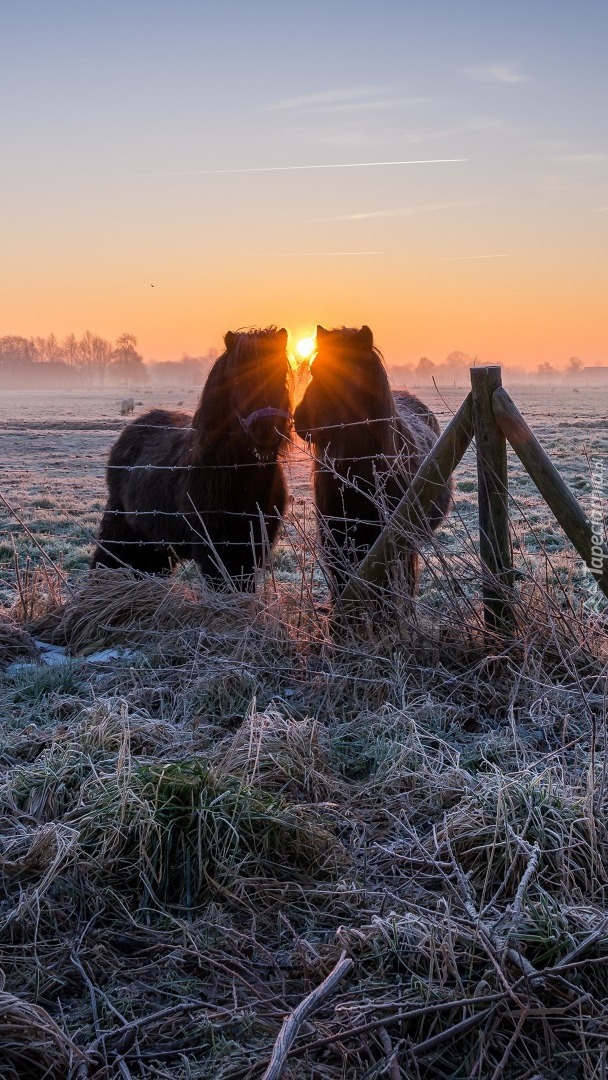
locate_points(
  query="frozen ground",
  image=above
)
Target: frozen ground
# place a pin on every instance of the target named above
(54, 445)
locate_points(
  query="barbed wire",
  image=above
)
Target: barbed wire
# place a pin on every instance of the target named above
(325, 462)
(194, 468)
(400, 455)
(196, 540)
(187, 515)
(218, 544)
(196, 515)
(249, 465)
(173, 427)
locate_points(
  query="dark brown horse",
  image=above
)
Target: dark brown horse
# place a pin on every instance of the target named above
(368, 443)
(208, 487)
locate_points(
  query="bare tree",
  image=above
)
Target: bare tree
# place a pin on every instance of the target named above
(127, 364)
(425, 367)
(48, 350)
(91, 354)
(86, 351)
(16, 351)
(102, 355)
(71, 351)
(458, 359)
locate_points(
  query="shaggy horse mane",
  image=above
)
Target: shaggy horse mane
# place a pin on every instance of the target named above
(351, 381)
(240, 344)
(211, 486)
(376, 374)
(369, 443)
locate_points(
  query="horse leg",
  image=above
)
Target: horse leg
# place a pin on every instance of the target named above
(150, 558)
(230, 568)
(111, 551)
(118, 545)
(144, 558)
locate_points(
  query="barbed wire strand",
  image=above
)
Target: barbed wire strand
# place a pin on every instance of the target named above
(174, 427)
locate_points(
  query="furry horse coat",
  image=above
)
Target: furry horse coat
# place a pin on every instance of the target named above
(367, 443)
(208, 487)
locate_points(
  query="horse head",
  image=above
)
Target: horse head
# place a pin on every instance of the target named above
(258, 369)
(348, 384)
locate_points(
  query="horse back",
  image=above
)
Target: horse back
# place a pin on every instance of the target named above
(421, 426)
(156, 435)
(408, 405)
(140, 464)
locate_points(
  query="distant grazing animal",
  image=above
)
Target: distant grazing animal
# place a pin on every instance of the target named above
(363, 468)
(208, 487)
(126, 406)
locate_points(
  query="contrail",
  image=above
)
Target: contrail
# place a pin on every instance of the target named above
(299, 168)
(459, 258)
(299, 254)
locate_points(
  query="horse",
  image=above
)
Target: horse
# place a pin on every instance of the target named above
(208, 487)
(368, 443)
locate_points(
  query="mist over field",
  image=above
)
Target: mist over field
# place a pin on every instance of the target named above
(54, 445)
(93, 362)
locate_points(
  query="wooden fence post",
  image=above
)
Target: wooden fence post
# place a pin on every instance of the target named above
(494, 541)
(410, 515)
(552, 487)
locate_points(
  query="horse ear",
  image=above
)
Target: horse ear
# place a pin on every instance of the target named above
(229, 340)
(365, 338)
(282, 333)
(321, 332)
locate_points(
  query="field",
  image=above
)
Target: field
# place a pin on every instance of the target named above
(211, 802)
(54, 447)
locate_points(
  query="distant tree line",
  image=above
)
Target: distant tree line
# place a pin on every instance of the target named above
(94, 361)
(91, 360)
(455, 370)
(548, 371)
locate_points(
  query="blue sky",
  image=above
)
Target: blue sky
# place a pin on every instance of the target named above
(114, 119)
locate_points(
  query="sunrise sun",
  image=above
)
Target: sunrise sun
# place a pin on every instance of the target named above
(305, 347)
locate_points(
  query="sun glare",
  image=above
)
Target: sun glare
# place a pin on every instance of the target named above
(305, 347)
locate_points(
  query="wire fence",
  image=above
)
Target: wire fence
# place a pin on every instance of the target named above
(52, 475)
(117, 425)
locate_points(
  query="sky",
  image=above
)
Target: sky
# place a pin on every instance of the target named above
(180, 169)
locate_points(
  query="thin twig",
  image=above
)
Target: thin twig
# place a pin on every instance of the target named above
(293, 1022)
(391, 1054)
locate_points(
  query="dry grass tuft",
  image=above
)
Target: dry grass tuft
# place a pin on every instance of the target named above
(276, 753)
(33, 1046)
(15, 643)
(194, 834)
(118, 607)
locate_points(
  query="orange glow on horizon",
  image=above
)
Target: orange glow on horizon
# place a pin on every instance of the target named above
(503, 311)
